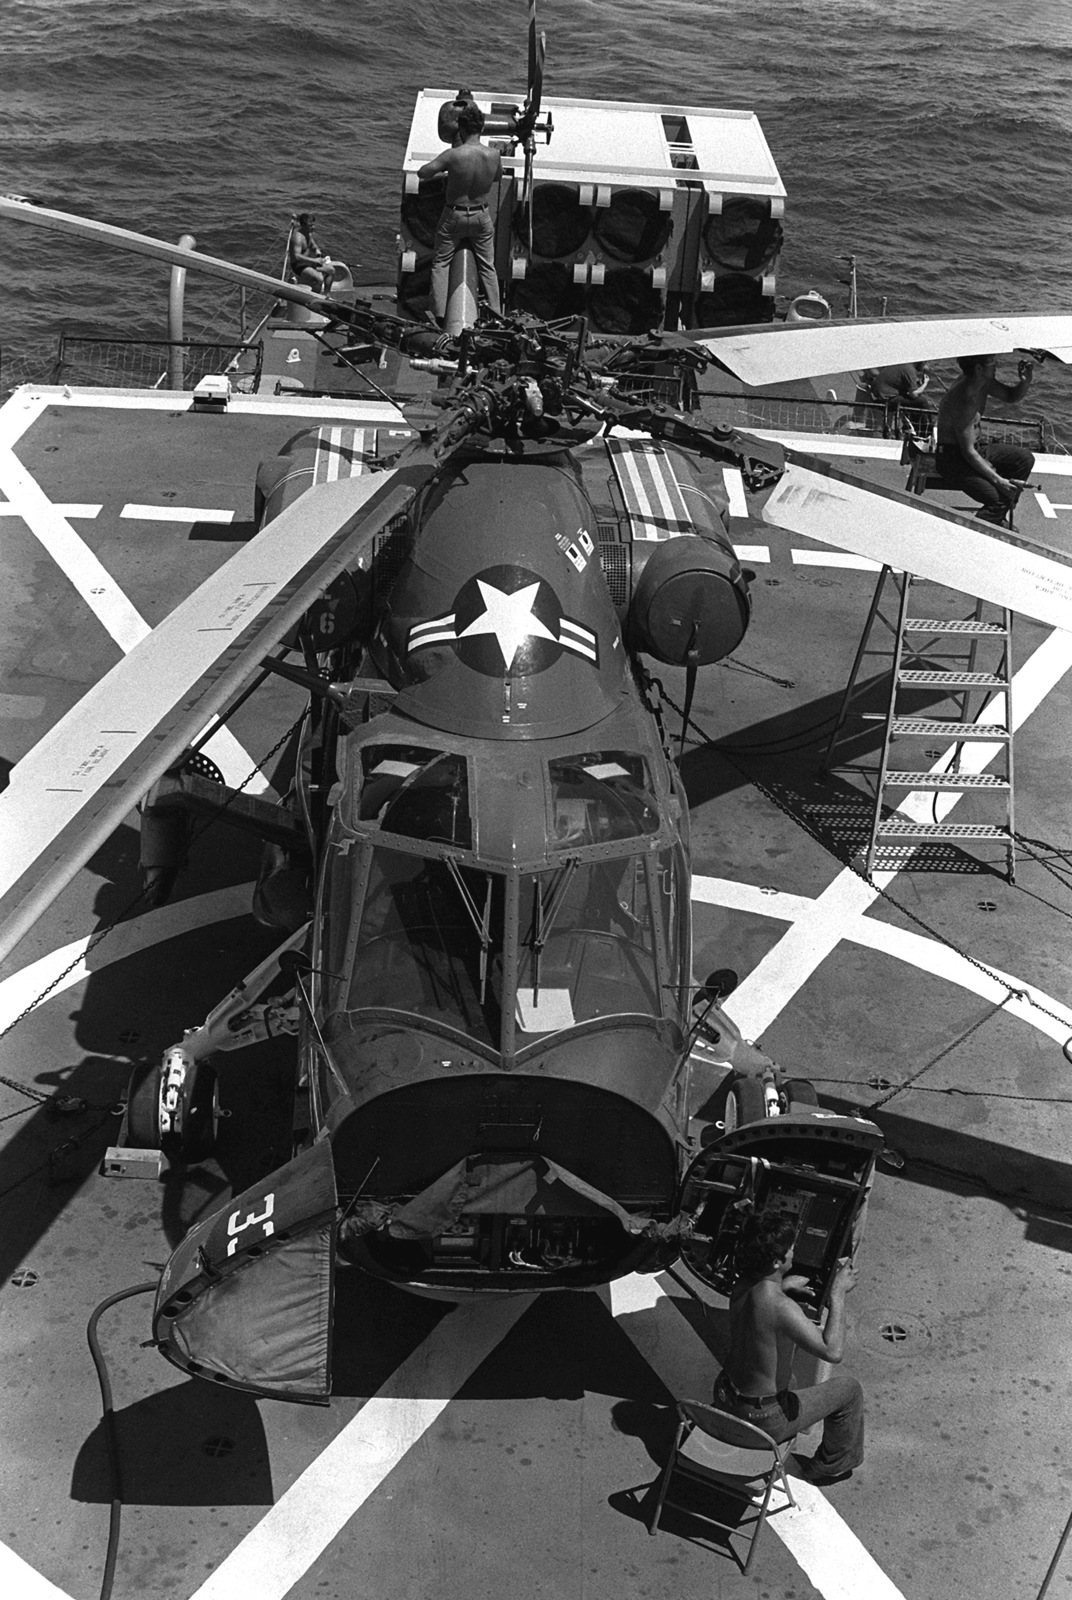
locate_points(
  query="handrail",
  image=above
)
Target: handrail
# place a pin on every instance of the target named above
(176, 296)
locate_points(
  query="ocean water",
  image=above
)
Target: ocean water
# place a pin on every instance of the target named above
(932, 140)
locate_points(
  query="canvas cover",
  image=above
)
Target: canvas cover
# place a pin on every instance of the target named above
(247, 1297)
(532, 1186)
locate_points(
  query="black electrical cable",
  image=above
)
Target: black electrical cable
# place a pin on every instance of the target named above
(1056, 1558)
(109, 1428)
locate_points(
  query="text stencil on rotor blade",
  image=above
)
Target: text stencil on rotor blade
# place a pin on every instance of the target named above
(958, 552)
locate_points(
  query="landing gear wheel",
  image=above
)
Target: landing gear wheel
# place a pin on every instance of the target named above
(202, 766)
(197, 1113)
(746, 1103)
(143, 1107)
(799, 1092)
(200, 1098)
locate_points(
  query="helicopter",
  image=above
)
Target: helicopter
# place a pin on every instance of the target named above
(481, 871)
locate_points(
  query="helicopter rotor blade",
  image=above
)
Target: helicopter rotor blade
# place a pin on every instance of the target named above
(70, 792)
(527, 123)
(906, 532)
(535, 95)
(532, 43)
(537, 48)
(15, 209)
(782, 352)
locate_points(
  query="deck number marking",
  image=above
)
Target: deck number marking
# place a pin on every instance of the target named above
(253, 1218)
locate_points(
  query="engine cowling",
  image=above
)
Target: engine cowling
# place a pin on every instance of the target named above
(690, 603)
(666, 555)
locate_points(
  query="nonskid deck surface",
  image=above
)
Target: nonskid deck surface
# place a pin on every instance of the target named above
(502, 1445)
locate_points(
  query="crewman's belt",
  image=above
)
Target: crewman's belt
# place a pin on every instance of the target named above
(482, 207)
(749, 1399)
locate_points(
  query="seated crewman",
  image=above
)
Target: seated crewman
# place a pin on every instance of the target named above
(766, 1328)
(992, 473)
(308, 263)
(901, 390)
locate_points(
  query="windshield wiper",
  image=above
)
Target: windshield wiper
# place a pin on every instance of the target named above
(543, 919)
(481, 922)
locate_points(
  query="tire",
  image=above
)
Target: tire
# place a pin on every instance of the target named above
(143, 1101)
(746, 1103)
(799, 1093)
(200, 1113)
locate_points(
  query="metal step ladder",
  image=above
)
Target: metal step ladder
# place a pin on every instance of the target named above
(924, 659)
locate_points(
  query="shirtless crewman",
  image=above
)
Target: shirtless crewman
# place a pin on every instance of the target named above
(766, 1327)
(308, 263)
(995, 473)
(471, 169)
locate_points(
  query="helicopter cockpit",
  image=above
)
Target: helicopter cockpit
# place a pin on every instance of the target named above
(421, 921)
(502, 969)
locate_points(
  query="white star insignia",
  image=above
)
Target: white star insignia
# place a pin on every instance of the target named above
(510, 618)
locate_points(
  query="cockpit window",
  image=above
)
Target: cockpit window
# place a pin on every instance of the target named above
(600, 796)
(430, 942)
(587, 946)
(422, 794)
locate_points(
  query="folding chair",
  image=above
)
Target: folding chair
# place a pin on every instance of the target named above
(919, 456)
(719, 1450)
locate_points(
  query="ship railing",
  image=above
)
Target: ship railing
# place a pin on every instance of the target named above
(125, 363)
(867, 419)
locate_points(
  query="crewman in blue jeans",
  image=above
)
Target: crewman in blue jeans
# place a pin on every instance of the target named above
(993, 474)
(766, 1327)
(471, 169)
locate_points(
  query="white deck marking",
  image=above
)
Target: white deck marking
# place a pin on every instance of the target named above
(752, 552)
(929, 955)
(834, 558)
(818, 1539)
(105, 599)
(140, 513)
(17, 415)
(282, 1547)
(21, 707)
(125, 624)
(734, 483)
(22, 988)
(770, 986)
(1048, 507)
(70, 552)
(20, 1581)
(68, 511)
(379, 412)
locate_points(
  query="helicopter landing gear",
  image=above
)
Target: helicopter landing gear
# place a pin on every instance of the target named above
(799, 1092)
(746, 1103)
(174, 1108)
(749, 1101)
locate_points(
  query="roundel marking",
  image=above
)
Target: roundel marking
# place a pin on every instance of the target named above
(507, 622)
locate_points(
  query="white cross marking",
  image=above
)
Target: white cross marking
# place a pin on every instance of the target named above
(1048, 507)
